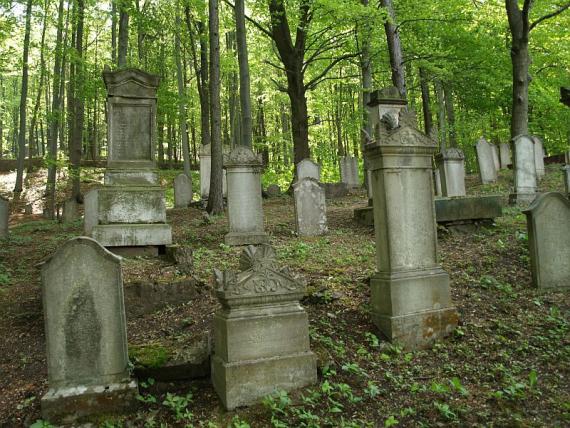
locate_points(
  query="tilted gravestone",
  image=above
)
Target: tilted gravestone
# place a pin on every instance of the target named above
(261, 334)
(452, 172)
(84, 313)
(4, 216)
(307, 168)
(485, 158)
(525, 181)
(310, 207)
(538, 157)
(182, 191)
(349, 171)
(245, 204)
(505, 155)
(548, 225)
(129, 210)
(410, 293)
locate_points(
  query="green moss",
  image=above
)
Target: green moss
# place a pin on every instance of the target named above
(151, 355)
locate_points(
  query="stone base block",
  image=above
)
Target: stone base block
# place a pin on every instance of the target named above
(522, 198)
(468, 208)
(413, 308)
(132, 235)
(364, 216)
(254, 238)
(76, 404)
(247, 382)
(132, 252)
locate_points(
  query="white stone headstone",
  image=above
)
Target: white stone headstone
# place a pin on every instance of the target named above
(548, 224)
(182, 191)
(349, 171)
(84, 313)
(437, 181)
(538, 157)
(452, 172)
(505, 155)
(4, 216)
(525, 181)
(496, 159)
(310, 207)
(485, 158)
(308, 169)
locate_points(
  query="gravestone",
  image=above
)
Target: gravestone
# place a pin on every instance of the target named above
(566, 175)
(182, 191)
(4, 216)
(349, 171)
(410, 294)
(567, 157)
(525, 181)
(496, 157)
(245, 204)
(273, 190)
(310, 207)
(538, 157)
(485, 158)
(548, 225)
(261, 334)
(84, 313)
(308, 169)
(205, 171)
(69, 211)
(437, 181)
(505, 155)
(452, 172)
(29, 209)
(129, 210)
(335, 190)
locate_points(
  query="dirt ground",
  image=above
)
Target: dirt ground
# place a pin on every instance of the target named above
(507, 364)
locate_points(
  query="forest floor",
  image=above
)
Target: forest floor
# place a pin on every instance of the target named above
(507, 364)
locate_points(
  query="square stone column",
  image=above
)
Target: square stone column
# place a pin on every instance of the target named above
(452, 172)
(245, 204)
(411, 301)
(525, 180)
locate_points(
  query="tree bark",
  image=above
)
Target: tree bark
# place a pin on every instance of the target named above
(426, 107)
(123, 34)
(450, 113)
(440, 114)
(23, 102)
(181, 101)
(114, 31)
(395, 49)
(215, 198)
(244, 82)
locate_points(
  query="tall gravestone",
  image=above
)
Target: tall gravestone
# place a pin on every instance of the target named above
(525, 181)
(308, 169)
(548, 224)
(452, 172)
(310, 207)
(566, 176)
(84, 313)
(182, 191)
(4, 216)
(496, 159)
(505, 155)
(485, 159)
(205, 171)
(410, 294)
(349, 171)
(538, 157)
(437, 182)
(245, 205)
(70, 211)
(129, 210)
(261, 334)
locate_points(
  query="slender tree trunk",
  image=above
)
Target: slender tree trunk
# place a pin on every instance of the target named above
(450, 113)
(114, 31)
(244, 83)
(181, 100)
(366, 71)
(395, 49)
(123, 34)
(23, 102)
(215, 198)
(440, 114)
(426, 107)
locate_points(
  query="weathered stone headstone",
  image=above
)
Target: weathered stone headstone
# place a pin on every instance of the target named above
(496, 157)
(452, 172)
(538, 157)
(566, 175)
(28, 209)
(245, 205)
(182, 191)
(308, 169)
(548, 225)
(525, 182)
(505, 155)
(69, 211)
(4, 216)
(205, 171)
(335, 190)
(437, 181)
(273, 190)
(487, 170)
(129, 210)
(310, 207)
(349, 171)
(261, 334)
(567, 157)
(410, 295)
(87, 359)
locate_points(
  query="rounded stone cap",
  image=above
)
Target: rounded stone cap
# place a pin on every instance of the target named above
(242, 156)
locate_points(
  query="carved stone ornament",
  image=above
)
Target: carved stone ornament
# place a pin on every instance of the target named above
(260, 277)
(453, 153)
(242, 156)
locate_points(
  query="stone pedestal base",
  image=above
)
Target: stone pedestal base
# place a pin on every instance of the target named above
(246, 382)
(413, 308)
(76, 404)
(522, 198)
(253, 238)
(132, 235)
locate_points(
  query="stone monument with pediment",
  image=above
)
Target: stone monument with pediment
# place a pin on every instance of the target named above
(129, 210)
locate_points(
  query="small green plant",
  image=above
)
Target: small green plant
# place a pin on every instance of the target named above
(41, 424)
(372, 389)
(391, 421)
(179, 405)
(445, 411)
(237, 422)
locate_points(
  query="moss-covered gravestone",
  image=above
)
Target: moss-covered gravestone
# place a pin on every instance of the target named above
(82, 291)
(261, 334)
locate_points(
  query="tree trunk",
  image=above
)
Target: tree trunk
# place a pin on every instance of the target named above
(181, 101)
(395, 49)
(426, 107)
(123, 34)
(450, 113)
(23, 102)
(244, 83)
(440, 114)
(114, 31)
(215, 198)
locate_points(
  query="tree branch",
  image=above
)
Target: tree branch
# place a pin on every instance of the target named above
(314, 82)
(550, 15)
(254, 22)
